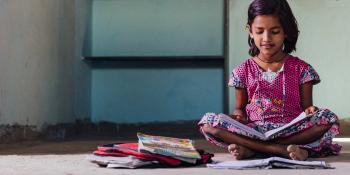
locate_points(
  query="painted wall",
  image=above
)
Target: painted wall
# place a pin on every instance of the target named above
(157, 27)
(324, 42)
(36, 61)
(82, 71)
(129, 92)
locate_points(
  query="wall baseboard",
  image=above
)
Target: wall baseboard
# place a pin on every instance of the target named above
(89, 130)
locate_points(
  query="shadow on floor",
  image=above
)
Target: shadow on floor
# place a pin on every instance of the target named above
(87, 145)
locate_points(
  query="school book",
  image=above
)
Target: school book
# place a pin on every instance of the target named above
(263, 136)
(269, 163)
(182, 149)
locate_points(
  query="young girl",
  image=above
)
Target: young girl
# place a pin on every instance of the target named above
(271, 89)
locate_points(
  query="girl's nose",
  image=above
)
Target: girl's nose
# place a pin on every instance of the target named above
(267, 36)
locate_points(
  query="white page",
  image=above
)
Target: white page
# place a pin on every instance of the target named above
(266, 135)
(239, 164)
(242, 164)
(241, 126)
(298, 162)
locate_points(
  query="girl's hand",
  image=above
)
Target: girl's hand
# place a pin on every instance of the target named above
(239, 118)
(311, 110)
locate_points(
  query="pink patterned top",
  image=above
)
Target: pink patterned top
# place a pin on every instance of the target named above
(277, 101)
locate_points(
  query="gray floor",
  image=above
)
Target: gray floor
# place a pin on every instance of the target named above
(75, 164)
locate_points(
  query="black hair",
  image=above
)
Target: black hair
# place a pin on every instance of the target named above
(280, 9)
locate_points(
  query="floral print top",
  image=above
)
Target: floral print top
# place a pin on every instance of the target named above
(277, 100)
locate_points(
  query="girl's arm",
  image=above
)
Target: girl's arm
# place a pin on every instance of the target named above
(306, 98)
(241, 100)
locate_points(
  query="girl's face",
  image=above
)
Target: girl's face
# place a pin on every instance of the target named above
(268, 35)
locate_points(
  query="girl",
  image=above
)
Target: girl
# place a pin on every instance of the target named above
(271, 89)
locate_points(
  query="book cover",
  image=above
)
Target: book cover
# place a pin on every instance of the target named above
(168, 146)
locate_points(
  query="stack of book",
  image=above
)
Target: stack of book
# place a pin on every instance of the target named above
(150, 151)
(181, 149)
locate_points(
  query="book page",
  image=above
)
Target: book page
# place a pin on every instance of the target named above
(241, 126)
(266, 163)
(239, 164)
(301, 116)
(299, 162)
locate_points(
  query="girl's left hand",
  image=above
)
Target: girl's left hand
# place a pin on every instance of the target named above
(311, 109)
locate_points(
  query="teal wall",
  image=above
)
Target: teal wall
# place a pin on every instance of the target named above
(82, 71)
(147, 91)
(238, 37)
(127, 92)
(157, 27)
(324, 42)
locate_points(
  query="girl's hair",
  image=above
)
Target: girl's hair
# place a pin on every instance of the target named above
(280, 9)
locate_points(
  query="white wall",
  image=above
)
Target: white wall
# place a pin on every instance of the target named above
(36, 61)
(324, 42)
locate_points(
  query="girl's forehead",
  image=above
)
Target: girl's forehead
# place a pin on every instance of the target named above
(266, 21)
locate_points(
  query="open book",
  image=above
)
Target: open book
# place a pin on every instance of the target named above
(272, 162)
(263, 136)
(182, 149)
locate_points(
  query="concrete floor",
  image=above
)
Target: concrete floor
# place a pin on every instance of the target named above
(68, 158)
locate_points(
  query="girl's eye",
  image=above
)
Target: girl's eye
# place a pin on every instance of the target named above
(275, 32)
(259, 32)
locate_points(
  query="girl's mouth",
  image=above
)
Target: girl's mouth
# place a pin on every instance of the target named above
(267, 46)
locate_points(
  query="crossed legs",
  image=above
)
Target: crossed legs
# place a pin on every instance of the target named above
(285, 147)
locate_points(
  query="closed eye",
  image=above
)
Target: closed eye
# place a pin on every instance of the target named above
(275, 32)
(259, 32)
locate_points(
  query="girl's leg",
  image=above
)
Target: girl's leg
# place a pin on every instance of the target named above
(290, 151)
(317, 139)
(305, 137)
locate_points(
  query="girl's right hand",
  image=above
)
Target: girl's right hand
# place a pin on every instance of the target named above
(310, 110)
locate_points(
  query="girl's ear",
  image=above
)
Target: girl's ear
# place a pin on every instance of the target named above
(249, 29)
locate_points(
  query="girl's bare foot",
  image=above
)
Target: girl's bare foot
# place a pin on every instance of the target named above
(297, 153)
(239, 152)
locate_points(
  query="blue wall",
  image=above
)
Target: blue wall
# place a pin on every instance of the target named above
(145, 91)
(157, 27)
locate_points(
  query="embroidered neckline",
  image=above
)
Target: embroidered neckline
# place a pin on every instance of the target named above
(261, 70)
